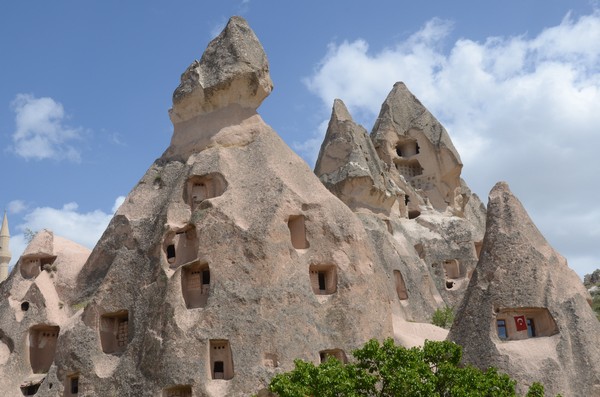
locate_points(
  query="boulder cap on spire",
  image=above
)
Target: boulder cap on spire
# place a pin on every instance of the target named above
(233, 70)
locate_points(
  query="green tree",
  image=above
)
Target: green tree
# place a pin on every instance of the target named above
(443, 317)
(387, 370)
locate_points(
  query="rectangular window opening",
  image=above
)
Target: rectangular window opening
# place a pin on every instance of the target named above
(501, 325)
(75, 385)
(206, 277)
(530, 328)
(322, 281)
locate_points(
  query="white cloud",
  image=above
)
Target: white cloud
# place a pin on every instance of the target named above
(84, 228)
(16, 206)
(525, 110)
(41, 132)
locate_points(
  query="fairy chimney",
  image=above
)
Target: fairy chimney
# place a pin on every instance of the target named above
(525, 312)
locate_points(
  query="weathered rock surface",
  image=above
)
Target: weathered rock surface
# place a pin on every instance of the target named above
(403, 132)
(525, 312)
(429, 257)
(224, 264)
(349, 166)
(35, 308)
(230, 259)
(233, 70)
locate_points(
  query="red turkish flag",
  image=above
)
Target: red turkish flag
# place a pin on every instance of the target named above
(520, 323)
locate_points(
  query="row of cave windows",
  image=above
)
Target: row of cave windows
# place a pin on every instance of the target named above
(113, 329)
(182, 246)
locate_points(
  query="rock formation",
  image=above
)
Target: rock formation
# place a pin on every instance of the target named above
(230, 258)
(525, 312)
(35, 308)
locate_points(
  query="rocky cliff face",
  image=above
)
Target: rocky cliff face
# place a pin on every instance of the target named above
(230, 258)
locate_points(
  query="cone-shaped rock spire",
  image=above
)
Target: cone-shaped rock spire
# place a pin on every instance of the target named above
(413, 143)
(349, 167)
(525, 311)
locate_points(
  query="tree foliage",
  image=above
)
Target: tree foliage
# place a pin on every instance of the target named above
(443, 317)
(387, 370)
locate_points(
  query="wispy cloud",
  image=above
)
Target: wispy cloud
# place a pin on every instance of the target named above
(84, 228)
(520, 109)
(16, 206)
(40, 130)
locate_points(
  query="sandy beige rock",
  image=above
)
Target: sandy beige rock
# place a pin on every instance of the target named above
(38, 307)
(428, 258)
(230, 259)
(349, 167)
(226, 262)
(233, 70)
(403, 132)
(521, 280)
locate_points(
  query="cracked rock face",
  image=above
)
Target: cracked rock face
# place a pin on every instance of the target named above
(525, 312)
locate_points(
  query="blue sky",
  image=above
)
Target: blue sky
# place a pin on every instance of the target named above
(85, 87)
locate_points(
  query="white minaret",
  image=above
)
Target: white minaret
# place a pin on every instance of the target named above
(5, 254)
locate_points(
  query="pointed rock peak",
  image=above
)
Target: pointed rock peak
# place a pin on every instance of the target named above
(349, 167)
(413, 144)
(402, 112)
(340, 111)
(508, 219)
(233, 70)
(4, 231)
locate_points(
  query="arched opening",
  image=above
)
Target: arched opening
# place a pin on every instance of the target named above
(221, 360)
(181, 246)
(452, 273)
(24, 306)
(42, 347)
(412, 214)
(114, 332)
(203, 187)
(296, 224)
(323, 279)
(407, 148)
(400, 285)
(338, 354)
(195, 285)
(31, 387)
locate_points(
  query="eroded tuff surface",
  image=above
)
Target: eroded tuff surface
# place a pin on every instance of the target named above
(233, 70)
(429, 254)
(224, 264)
(35, 308)
(418, 151)
(230, 259)
(521, 277)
